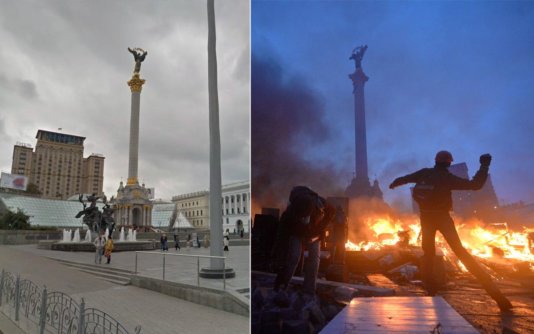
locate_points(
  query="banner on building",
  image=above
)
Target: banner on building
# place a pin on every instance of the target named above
(13, 181)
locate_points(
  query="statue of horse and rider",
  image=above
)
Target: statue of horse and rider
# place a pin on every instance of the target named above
(95, 219)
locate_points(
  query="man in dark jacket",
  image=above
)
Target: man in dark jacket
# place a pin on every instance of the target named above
(301, 226)
(432, 191)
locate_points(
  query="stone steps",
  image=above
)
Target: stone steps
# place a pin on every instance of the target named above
(245, 292)
(110, 274)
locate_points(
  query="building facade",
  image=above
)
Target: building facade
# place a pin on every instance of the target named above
(235, 206)
(57, 166)
(194, 207)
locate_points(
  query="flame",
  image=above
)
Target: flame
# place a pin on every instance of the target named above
(385, 231)
(481, 240)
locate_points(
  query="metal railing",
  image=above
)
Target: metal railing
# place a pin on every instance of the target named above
(184, 255)
(52, 311)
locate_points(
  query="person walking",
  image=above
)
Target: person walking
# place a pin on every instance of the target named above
(226, 242)
(176, 241)
(432, 192)
(99, 247)
(108, 248)
(163, 242)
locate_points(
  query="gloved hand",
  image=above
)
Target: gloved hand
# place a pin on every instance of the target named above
(485, 160)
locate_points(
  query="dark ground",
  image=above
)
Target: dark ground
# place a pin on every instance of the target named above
(467, 297)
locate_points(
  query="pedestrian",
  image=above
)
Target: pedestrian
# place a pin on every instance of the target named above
(432, 192)
(242, 233)
(176, 241)
(163, 242)
(226, 242)
(198, 242)
(302, 224)
(108, 248)
(99, 247)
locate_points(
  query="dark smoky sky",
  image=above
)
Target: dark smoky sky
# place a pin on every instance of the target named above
(442, 75)
(287, 119)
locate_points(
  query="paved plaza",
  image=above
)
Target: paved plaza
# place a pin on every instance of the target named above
(132, 306)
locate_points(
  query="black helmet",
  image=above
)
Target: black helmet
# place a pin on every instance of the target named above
(444, 157)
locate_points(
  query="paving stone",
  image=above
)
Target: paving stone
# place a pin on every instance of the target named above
(131, 306)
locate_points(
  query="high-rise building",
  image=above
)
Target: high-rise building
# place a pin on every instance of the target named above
(57, 166)
(469, 203)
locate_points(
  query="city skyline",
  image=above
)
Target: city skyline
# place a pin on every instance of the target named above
(66, 72)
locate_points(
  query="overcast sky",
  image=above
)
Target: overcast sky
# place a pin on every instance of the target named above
(442, 75)
(65, 64)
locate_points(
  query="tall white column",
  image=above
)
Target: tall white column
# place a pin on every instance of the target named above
(216, 248)
(136, 85)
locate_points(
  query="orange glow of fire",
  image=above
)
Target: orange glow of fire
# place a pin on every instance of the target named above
(484, 241)
(385, 231)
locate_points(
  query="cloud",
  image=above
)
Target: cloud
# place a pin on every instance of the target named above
(68, 67)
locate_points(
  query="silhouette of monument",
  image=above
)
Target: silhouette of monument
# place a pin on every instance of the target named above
(360, 185)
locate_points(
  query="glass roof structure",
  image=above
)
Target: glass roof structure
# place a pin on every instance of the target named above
(45, 212)
(162, 213)
(61, 213)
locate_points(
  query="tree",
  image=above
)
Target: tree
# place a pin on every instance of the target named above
(33, 189)
(14, 220)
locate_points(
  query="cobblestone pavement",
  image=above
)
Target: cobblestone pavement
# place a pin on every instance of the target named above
(131, 306)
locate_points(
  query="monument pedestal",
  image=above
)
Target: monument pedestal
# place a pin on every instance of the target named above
(133, 206)
(360, 187)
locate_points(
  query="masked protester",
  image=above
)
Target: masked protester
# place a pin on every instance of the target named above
(301, 226)
(432, 191)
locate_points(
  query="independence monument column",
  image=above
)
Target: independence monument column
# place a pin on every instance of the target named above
(360, 185)
(133, 206)
(136, 85)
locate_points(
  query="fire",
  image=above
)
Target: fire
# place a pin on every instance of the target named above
(481, 240)
(386, 231)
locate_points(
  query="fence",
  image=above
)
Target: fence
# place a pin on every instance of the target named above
(52, 312)
(186, 272)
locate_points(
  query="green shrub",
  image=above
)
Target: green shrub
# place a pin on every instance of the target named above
(15, 220)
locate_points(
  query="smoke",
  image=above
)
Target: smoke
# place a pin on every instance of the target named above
(287, 123)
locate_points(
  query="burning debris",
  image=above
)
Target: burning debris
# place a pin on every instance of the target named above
(383, 248)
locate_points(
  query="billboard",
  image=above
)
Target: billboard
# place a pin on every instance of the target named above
(13, 181)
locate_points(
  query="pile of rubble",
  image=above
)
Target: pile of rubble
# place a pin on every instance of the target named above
(294, 312)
